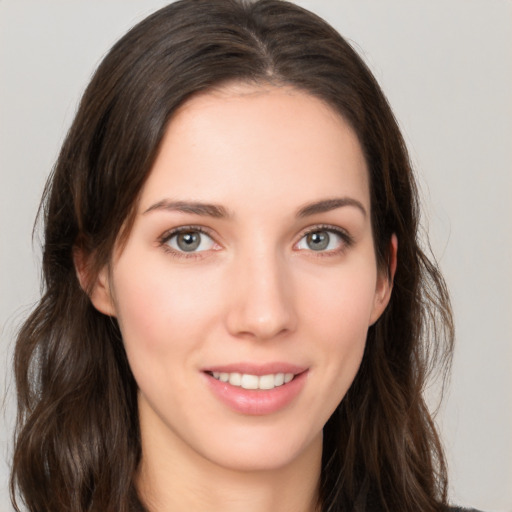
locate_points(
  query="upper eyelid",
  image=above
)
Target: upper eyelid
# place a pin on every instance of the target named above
(347, 239)
(164, 239)
(325, 227)
(181, 229)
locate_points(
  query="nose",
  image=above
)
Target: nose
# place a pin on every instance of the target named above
(262, 298)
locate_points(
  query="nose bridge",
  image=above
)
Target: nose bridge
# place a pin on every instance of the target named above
(263, 300)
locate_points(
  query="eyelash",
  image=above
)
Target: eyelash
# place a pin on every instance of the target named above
(162, 241)
(347, 239)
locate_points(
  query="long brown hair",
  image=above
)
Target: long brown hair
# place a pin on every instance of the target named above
(77, 443)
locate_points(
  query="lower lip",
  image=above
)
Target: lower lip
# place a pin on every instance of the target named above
(257, 402)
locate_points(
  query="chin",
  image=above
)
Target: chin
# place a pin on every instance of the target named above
(260, 453)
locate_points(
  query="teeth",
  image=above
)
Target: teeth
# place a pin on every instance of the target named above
(267, 382)
(235, 379)
(279, 379)
(223, 377)
(247, 381)
(250, 381)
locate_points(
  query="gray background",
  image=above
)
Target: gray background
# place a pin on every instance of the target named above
(446, 66)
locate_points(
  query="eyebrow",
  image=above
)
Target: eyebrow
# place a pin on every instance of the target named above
(220, 212)
(326, 205)
(197, 208)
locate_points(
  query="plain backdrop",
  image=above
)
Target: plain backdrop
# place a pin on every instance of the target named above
(446, 67)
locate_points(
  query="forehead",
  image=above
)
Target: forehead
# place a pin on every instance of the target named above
(274, 143)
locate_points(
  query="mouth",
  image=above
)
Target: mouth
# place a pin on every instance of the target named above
(256, 389)
(249, 381)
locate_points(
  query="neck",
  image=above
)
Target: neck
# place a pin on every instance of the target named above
(174, 478)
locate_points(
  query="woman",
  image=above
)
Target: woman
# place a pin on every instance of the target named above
(236, 311)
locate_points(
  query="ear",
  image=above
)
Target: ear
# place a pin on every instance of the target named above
(97, 287)
(385, 282)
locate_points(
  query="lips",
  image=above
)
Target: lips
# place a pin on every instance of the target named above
(256, 390)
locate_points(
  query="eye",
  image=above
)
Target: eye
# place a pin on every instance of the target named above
(323, 240)
(189, 240)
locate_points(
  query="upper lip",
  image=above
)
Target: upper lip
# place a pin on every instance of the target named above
(256, 369)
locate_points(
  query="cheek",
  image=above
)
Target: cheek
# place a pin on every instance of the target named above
(160, 309)
(344, 303)
(339, 319)
(141, 309)
(158, 323)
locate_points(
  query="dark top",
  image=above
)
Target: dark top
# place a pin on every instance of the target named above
(367, 502)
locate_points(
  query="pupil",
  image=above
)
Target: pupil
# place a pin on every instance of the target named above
(318, 241)
(188, 241)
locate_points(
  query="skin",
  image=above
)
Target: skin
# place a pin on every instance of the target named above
(254, 291)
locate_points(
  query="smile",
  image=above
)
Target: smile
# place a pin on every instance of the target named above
(248, 381)
(256, 390)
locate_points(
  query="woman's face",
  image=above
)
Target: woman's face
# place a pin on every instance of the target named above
(251, 262)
